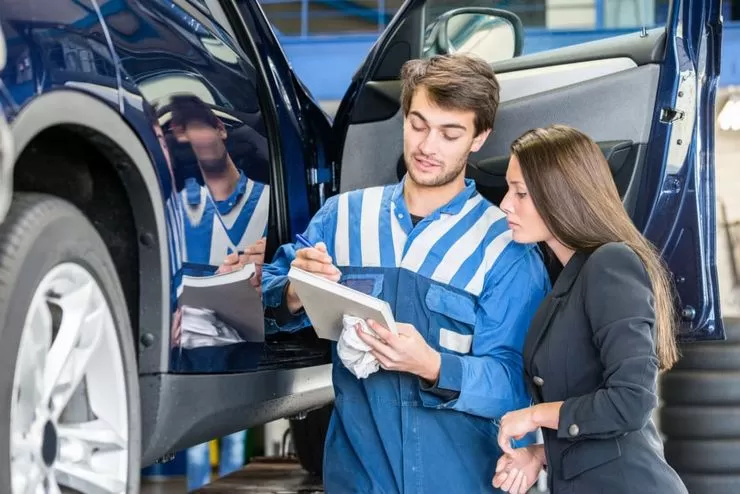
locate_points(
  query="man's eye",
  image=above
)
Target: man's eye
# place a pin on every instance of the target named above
(451, 138)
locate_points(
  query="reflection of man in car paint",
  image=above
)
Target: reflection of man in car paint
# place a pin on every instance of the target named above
(230, 212)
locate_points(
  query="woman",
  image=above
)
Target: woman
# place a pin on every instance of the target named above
(595, 346)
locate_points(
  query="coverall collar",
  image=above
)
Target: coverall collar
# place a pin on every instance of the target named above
(451, 208)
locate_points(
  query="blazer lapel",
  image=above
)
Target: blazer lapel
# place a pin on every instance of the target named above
(539, 326)
(543, 318)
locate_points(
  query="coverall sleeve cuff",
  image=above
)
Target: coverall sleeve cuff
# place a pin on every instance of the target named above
(445, 392)
(278, 316)
(450, 373)
(273, 292)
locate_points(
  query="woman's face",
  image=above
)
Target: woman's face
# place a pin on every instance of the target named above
(524, 221)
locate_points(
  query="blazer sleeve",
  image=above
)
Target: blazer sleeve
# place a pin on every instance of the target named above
(619, 305)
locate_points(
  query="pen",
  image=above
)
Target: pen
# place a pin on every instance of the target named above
(303, 240)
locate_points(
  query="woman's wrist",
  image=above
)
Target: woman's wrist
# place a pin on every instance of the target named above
(547, 414)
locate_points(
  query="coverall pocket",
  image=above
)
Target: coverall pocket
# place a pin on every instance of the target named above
(367, 283)
(451, 319)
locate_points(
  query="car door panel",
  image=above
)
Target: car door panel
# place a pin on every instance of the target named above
(623, 156)
(637, 95)
(606, 99)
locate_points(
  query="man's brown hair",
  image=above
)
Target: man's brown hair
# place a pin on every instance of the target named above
(454, 82)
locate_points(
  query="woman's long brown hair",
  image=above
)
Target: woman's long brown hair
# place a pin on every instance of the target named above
(574, 192)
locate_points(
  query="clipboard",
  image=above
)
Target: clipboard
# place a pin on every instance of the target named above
(231, 297)
(326, 303)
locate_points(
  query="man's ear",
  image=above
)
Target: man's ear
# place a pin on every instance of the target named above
(179, 134)
(479, 140)
(222, 130)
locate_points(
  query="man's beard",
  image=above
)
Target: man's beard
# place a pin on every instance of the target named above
(214, 166)
(447, 176)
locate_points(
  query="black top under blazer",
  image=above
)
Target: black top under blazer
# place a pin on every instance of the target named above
(591, 344)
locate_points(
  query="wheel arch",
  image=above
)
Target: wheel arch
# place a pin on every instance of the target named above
(124, 156)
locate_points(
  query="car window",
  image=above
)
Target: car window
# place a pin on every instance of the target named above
(199, 92)
(548, 24)
(551, 24)
(203, 91)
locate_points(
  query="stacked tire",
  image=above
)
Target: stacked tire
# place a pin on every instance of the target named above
(700, 417)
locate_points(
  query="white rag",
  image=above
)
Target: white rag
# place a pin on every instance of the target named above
(354, 352)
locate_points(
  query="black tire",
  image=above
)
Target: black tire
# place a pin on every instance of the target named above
(701, 414)
(704, 456)
(713, 355)
(716, 484)
(709, 356)
(40, 232)
(701, 388)
(309, 435)
(686, 422)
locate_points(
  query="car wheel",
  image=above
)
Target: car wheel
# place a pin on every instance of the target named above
(67, 362)
(309, 435)
(700, 413)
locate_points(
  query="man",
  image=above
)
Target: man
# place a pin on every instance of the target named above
(228, 214)
(464, 293)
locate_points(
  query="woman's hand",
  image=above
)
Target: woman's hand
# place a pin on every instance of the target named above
(517, 471)
(515, 425)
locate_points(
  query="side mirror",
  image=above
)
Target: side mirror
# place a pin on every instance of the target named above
(491, 34)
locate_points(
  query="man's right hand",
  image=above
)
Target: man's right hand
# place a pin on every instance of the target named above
(315, 260)
(518, 471)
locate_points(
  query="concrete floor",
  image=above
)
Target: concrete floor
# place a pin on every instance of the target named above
(260, 476)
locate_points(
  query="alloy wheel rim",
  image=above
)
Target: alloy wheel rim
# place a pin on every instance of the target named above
(68, 416)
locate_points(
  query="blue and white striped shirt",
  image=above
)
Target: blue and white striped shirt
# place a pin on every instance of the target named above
(471, 292)
(215, 229)
(457, 245)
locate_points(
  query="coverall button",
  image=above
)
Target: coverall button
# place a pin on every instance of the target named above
(573, 430)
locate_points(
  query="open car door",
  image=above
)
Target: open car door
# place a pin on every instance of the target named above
(647, 98)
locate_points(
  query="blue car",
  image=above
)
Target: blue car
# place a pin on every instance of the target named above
(144, 141)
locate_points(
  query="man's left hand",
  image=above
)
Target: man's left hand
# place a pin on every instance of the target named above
(406, 351)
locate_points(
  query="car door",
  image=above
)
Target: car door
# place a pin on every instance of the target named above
(647, 98)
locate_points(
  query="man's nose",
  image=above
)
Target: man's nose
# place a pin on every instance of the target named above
(430, 144)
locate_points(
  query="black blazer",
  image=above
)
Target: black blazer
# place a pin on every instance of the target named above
(591, 344)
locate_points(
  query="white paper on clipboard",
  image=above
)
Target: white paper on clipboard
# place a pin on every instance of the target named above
(326, 303)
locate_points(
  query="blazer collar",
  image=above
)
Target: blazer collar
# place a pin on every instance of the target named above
(569, 274)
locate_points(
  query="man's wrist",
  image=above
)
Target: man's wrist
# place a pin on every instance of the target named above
(539, 452)
(292, 302)
(434, 364)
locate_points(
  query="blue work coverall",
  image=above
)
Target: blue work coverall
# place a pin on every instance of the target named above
(470, 291)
